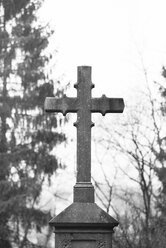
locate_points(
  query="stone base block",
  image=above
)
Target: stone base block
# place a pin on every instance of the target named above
(84, 192)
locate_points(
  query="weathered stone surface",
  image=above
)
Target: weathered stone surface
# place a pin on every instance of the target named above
(83, 238)
(84, 192)
(84, 105)
(83, 214)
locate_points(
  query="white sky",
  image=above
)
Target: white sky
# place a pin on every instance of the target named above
(107, 35)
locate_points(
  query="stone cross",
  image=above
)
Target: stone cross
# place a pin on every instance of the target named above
(84, 105)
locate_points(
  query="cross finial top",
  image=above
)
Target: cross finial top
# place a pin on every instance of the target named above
(84, 105)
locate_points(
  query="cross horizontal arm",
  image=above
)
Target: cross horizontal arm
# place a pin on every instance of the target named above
(107, 105)
(63, 105)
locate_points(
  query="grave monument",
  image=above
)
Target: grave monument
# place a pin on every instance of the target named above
(83, 224)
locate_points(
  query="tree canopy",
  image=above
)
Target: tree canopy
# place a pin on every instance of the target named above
(27, 136)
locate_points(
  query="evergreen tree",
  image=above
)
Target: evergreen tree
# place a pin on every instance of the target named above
(160, 153)
(162, 90)
(161, 156)
(27, 135)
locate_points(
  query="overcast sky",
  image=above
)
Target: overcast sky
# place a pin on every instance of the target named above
(108, 35)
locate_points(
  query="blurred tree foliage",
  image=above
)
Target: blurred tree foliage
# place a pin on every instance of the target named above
(161, 171)
(27, 136)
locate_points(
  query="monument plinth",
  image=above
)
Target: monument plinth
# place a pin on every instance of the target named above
(83, 223)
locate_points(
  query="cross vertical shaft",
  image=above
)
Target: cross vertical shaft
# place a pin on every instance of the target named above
(84, 190)
(83, 124)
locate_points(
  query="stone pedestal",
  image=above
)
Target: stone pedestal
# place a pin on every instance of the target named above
(83, 225)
